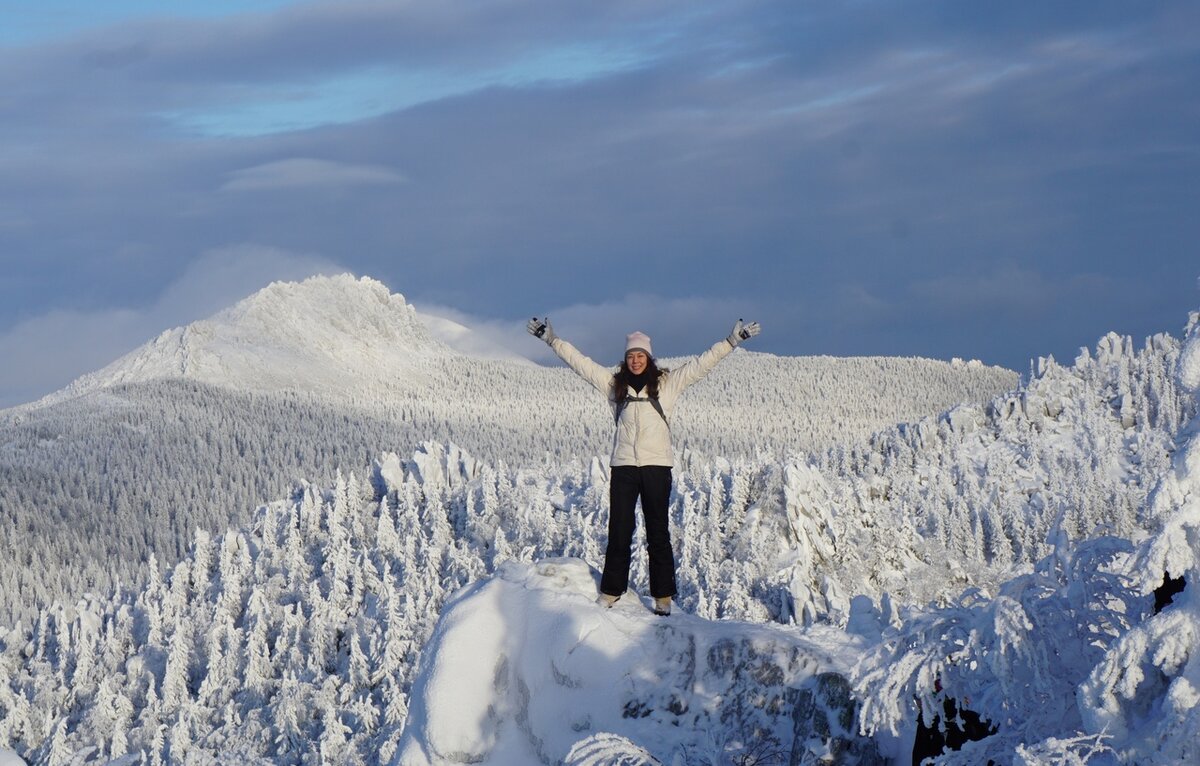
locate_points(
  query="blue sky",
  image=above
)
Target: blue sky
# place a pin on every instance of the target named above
(983, 180)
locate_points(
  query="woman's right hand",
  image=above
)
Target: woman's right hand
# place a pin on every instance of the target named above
(540, 328)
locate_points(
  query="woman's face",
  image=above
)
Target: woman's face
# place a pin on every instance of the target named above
(636, 361)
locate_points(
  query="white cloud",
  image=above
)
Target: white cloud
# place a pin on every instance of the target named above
(220, 278)
(477, 336)
(45, 353)
(302, 172)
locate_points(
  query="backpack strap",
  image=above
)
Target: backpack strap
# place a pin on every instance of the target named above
(653, 401)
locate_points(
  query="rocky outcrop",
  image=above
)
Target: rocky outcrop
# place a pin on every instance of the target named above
(525, 665)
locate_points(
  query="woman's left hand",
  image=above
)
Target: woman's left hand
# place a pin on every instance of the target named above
(743, 332)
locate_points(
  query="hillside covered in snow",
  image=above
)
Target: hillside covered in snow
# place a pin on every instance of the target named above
(300, 380)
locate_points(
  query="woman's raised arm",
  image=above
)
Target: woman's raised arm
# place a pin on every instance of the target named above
(697, 368)
(598, 375)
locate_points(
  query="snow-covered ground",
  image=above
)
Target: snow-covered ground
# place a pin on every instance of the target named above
(438, 607)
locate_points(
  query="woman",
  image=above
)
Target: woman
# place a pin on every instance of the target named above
(642, 396)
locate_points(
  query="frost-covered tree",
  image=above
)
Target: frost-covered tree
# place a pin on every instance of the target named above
(1015, 658)
(1145, 694)
(1066, 662)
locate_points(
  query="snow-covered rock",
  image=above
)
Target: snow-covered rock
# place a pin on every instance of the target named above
(524, 667)
(1069, 662)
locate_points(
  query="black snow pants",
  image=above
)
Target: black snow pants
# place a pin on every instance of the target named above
(653, 484)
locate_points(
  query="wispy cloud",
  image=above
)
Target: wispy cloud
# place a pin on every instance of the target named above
(361, 93)
(301, 172)
(478, 336)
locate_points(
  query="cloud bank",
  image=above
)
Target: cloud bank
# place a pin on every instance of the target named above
(928, 178)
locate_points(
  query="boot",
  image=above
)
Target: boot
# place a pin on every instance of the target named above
(607, 601)
(662, 606)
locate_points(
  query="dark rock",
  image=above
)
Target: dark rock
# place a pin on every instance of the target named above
(1166, 593)
(824, 728)
(949, 731)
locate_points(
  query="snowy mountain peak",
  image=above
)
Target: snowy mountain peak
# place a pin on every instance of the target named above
(341, 314)
(331, 334)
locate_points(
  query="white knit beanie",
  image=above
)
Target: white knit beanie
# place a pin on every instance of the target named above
(638, 340)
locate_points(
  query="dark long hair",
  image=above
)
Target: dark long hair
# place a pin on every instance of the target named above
(621, 380)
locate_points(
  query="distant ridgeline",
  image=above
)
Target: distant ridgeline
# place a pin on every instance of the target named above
(90, 485)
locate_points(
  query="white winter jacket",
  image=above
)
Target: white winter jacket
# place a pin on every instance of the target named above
(642, 437)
